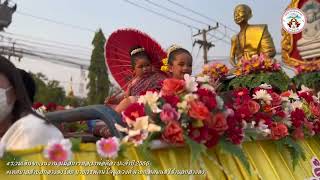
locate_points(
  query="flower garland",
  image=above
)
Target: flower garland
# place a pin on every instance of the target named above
(215, 71)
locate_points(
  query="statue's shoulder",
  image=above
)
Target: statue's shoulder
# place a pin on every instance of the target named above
(258, 26)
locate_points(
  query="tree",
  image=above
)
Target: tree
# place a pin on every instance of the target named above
(99, 83)
(48, 90)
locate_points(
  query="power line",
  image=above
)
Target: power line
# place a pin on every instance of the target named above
(55, 22)
(162, 15)
(182, 15)
(35, 44)
(46, 40)
(200, 14)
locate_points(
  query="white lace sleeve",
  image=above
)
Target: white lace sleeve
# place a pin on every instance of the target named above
(28, 132)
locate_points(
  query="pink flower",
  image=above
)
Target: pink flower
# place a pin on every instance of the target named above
(58, 151)
(218, 123)
(276, 99)
(108, 148)
(169, 114)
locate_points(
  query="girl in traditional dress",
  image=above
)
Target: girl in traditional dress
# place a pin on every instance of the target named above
(179, 62)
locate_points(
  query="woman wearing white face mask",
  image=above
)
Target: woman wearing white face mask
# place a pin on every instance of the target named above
(20, 127)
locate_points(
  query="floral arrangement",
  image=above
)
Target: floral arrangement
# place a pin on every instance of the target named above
(284, 117)
(215, 71)
(306, 68)
(257, 64)
(184, 112)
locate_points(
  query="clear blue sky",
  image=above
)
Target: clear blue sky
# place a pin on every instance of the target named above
(113, 14)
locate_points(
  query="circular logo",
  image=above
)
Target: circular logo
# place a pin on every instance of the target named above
(293, 21)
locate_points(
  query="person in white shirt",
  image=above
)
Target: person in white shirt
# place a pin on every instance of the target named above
(20, 127)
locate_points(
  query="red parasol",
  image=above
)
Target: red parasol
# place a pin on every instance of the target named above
(117, 53)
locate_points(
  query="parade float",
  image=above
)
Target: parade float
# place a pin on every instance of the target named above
(260, 125)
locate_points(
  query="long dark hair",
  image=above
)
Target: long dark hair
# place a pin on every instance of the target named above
(22, 105)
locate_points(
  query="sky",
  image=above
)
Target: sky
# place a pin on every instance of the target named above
(110, 15)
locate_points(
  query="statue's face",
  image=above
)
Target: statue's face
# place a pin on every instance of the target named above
(240, 15)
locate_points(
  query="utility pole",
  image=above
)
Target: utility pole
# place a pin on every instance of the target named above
(204, 43)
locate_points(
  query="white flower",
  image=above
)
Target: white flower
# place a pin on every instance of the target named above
(203, 79)
(58, 150)
(138, 130)
(220, 102)
(250, 125)
(190, 97)
(191, 84)
(264, 129)
(265, 86)
(108, 148)
(316, 98)
(293, 95)
(305, 89)
(296, 104)
(2, 149)
(150, 98)
(287, 122)
(182, 106)
(263, 95)
(208, 87)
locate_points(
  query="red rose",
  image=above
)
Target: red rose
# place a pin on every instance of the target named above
(198, 111)
(306, 96)
(218, 123)
(173, 133)
(37, 105)
(51, 106)
(172, 100)
(297, 117)
(205, 136)
(278, 131)
(276, 99)
(134, 111)
(253, 106)
(298, 134)
(315, 109)
(172, 86)
(208, 98)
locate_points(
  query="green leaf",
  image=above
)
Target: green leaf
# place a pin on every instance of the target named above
(9, 157)
(75, 144)
(294, 148)
(144, 149)
(236, 151)
(147, 110)
(195, 148)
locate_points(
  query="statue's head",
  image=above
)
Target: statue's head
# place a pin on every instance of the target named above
(242, 13)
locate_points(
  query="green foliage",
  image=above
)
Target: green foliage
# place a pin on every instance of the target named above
(51, 91)
(195, 148)
(277, 79)
(75, 144)
(99, 84)
(48, 90)
(236, 151)
(294, 148)
(144, 150)
(311, 80)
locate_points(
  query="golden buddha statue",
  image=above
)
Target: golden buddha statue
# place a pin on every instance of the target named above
(252, 39)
